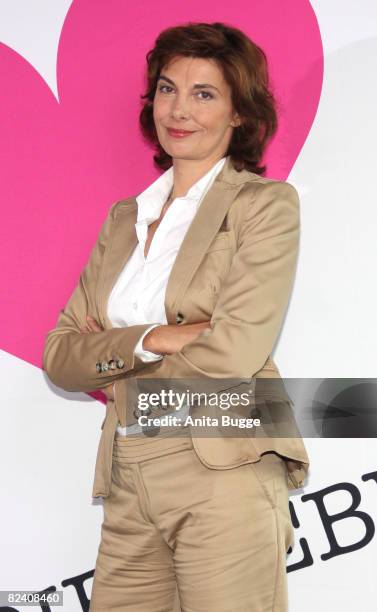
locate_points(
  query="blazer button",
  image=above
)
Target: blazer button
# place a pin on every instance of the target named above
(120, 363)
(98, 366)
(179, 317)
(112, 364)
(138, 412)
(105, 366)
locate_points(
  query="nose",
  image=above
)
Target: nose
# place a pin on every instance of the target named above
(180, 108)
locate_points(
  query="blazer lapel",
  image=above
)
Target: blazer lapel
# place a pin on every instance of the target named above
(199, 236)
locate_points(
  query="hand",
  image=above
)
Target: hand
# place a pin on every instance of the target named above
(93, 326)
(168, 339)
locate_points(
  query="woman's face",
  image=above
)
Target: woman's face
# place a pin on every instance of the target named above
(193, 95)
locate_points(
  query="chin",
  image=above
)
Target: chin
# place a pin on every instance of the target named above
(180, 153)
(189, 156)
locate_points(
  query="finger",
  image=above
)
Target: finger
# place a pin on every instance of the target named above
(96, 327)
(90, 320)
(93, 324)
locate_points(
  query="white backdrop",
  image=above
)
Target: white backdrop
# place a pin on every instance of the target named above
(50, 527)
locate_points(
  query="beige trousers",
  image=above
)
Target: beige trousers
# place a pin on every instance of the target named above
(180, 537)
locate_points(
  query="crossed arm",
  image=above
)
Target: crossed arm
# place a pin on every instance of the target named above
(167, 340)
(72, 352)
(244, 325)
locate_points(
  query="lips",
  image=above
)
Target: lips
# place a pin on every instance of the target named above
(179, 133)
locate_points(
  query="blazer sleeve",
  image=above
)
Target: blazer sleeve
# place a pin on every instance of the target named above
(253, 297)
(77, 361)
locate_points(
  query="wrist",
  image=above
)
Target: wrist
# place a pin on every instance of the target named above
(149, 340)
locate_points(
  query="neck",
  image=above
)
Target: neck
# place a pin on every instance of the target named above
(187, 172)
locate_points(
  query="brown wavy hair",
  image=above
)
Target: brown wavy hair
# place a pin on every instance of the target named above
(244, 67)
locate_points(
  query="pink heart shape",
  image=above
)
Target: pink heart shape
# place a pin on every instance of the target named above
(63, 164)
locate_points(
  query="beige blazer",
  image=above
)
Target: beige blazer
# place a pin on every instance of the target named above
(235, 266)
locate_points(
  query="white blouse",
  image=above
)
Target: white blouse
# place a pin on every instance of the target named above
(138, 295)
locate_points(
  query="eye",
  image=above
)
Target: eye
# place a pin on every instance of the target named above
(206, 93)
(162, 87)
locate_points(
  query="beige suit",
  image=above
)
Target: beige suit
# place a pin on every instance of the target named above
(236, 267)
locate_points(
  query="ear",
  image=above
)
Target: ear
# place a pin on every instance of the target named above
(236, 121)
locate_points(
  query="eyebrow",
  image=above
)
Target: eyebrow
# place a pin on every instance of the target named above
(196, 86)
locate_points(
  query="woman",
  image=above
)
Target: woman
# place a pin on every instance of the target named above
(190, 280)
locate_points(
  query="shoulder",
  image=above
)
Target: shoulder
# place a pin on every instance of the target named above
(121, 206)
(258, 185)
(259, 194)
(250, 185)
(265, 205)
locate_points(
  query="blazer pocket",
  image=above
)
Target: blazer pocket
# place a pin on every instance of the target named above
(220, 242)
